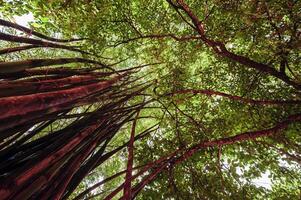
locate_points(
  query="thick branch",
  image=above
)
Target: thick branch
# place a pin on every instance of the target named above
(20, 48)
(18, 66)
(163, 36)
(32, 32)
(127, 183)
(19, 39)
(20, 105)
(221, 49)
(247, 136)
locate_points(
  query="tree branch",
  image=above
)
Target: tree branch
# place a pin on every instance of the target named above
(127, 182)
(221, 50)
(32, 32)
(162, 36)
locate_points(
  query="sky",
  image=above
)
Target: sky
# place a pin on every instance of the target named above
(24, 19)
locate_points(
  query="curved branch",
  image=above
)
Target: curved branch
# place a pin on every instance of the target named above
(221, 50)
(32, 32)
(18, 66)
(127, 182)
(23, 48)
(21, 105)
(163, 36)
(20, 48)
(246, 136)
(13, 38)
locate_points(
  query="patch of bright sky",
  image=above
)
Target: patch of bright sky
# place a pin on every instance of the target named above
(24, 19)
(263, 181)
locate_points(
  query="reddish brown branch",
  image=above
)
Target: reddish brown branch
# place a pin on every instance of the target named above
(19, 39)
(20, 48)
(20, 105)
(18, 181)
(162, 36)
(108, 155)
(127, 183)
(143, 170)
(19, 66)
(16, 89)
(247, 136)
(32, 32)
(221, 50)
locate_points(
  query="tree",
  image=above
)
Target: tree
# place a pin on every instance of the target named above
(152, 100)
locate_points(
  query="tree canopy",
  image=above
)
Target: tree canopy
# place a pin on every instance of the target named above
(150, 99)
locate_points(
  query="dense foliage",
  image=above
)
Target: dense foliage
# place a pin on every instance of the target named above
(214, 84)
